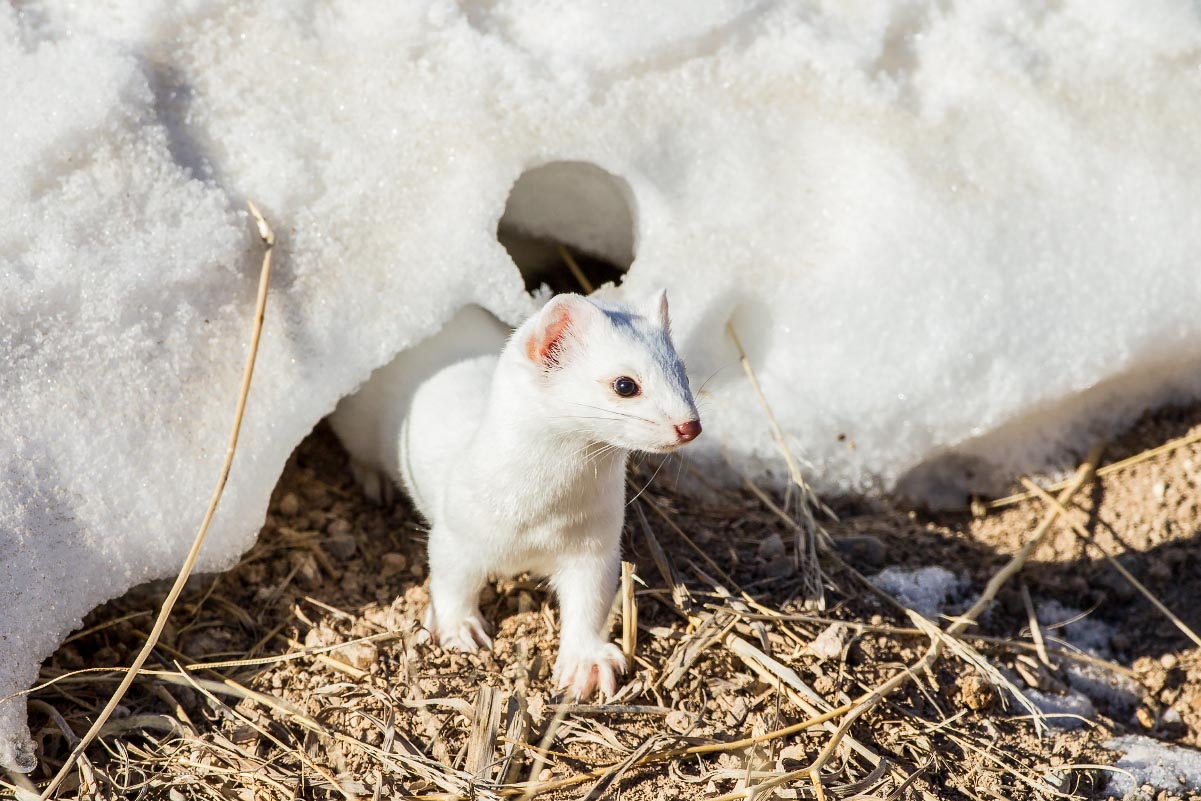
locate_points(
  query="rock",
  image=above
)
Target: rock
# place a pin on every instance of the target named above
(361, 655)
(341, 547)
(772, 548)
(862, 549)
(289, 505)
(392, 564)
(829, 644)
(678, 720)
(977, 693)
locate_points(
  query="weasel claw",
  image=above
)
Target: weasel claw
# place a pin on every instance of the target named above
(593, 670)
(469, 634)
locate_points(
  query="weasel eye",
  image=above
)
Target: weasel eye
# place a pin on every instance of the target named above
(626, 387)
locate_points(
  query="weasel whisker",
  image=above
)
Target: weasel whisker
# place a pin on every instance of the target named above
(614, 411)
(648, 483)
(713, 375)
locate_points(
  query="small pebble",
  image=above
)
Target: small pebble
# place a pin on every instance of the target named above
(829, 644)
(772, 547)
(392, 564)
(1169, 661)
(863, 549)
(978, 693)
(678, 720)
(361, 655)
(338, 527)
(289, 505)
(341, 547)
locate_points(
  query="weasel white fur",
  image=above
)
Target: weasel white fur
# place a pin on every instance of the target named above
(515, 453)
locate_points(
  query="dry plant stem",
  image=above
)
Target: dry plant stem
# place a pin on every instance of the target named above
(794, 472)
(574, 266)
(1082, 532)
(1083, 475)
(629, 612)
(1036, 631)
(169, 602)
(1122, 464)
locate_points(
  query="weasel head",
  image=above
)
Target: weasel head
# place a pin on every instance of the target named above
(610, 373)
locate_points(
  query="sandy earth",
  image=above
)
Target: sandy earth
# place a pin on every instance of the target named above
(330, 568)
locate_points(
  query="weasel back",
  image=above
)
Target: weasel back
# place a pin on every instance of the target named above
(369, 421)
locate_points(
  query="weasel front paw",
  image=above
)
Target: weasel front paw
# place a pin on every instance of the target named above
(468, 634)
(580, 672)
(375, 483)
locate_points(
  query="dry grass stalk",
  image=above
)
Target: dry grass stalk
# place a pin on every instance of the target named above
(692, 545)
(1003, 642)
(531, 789)
(629, 612)
(1036, 631)
(576, 272)
(268, 237)
(485, 726)
(667, 571)
(517, 730)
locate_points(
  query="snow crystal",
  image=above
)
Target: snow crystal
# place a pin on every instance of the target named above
(955, 240)
(926, 590)
(1163, 766)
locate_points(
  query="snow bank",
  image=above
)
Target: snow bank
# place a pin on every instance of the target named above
(955, 238)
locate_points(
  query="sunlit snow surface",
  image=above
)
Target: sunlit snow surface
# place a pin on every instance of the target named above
(970, 229)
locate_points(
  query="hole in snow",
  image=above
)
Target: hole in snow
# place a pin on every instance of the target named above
(573, 204)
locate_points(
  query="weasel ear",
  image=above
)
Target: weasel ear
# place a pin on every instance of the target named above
(658, 308)
(547, 339)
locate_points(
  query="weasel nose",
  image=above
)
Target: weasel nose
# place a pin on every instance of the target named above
(689, 431)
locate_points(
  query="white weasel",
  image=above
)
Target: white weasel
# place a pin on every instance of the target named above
(515, 453)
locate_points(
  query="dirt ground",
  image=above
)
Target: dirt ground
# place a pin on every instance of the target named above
(252, 697)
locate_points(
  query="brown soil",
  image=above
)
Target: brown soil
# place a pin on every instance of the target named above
(392, 717)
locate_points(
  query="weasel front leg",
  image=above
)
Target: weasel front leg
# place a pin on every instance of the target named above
(374, 481)
(585, 584)
(456, 578)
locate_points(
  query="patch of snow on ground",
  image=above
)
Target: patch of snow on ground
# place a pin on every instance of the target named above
(926, 590)
(1151, 762)
(1117, 693)
(1069, 711)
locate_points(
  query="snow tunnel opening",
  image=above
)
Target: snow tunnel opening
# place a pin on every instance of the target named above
(569, 225)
